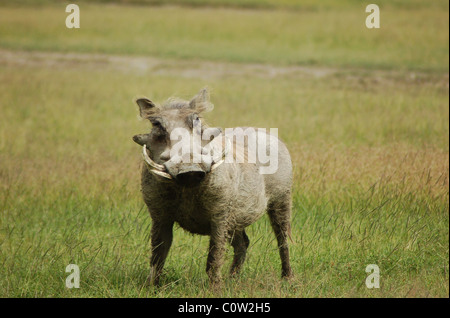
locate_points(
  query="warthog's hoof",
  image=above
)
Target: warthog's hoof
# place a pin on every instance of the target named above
(288, 275)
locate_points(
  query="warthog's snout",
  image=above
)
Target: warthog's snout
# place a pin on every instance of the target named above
(186, 174)
(190, 177)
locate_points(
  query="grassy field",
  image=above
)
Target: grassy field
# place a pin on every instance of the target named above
(363, 112)
(413, 37)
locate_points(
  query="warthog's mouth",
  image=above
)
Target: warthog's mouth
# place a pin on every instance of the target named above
(161, 170)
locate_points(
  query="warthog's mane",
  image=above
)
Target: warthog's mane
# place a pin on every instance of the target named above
(175, 103)
(172, 103)
(184, 108)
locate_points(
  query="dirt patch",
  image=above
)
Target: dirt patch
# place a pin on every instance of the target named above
(214, 69)
(161, 66)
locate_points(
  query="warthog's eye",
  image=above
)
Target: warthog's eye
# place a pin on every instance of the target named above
(195, 120)
(158, 129)
(156, 124)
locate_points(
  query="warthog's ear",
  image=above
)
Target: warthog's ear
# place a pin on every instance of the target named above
(146, 107)
(200, 103)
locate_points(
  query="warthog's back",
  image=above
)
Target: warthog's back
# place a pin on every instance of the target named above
(278, 181)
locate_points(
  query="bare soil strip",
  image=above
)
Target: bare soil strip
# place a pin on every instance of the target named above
(206, 69)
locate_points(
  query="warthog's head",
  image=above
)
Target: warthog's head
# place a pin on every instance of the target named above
(181, 147)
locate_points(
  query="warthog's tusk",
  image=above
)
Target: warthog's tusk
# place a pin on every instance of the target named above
(161, 173)
(217, 164)
(150, 161)
(224, 154)
(157, 168)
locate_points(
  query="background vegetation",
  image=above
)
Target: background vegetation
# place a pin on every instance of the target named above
(363, 112)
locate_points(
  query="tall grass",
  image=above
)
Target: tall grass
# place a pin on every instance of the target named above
(366, 122)
(371, 183)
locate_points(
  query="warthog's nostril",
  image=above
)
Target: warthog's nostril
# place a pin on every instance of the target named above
(190, 178)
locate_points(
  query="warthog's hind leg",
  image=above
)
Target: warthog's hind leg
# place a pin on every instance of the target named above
(280, 215)
(240, 243)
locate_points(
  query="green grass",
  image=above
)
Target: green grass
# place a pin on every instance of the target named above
(411, 38)
(369, 145)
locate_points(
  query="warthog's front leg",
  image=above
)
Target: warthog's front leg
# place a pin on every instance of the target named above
(161, 242)
(217, 246)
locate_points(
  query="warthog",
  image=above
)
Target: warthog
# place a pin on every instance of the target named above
(212, 196)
